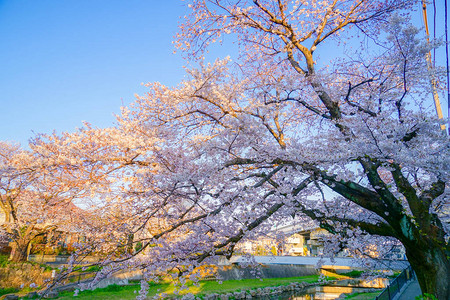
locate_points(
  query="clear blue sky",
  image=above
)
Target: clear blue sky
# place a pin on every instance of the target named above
(67, 61)
(62, 62)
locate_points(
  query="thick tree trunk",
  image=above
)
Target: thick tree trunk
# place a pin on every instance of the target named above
(130, 239)
(432, 267)
(19, 252)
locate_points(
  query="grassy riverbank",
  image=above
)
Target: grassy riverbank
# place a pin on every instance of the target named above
(205, 287)
(362, 296)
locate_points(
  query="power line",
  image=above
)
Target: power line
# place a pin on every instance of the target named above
(446, 54)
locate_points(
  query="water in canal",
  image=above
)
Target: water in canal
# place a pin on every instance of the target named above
(317, 293)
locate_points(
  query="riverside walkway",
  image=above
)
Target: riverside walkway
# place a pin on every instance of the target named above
(411, 291)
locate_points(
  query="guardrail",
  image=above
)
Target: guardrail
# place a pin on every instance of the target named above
(395, 285)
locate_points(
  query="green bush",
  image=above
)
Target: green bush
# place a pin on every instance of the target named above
(4, 261)
(138, 246)
(426, 296)
(7, 291)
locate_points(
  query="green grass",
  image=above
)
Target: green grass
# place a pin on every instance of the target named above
(362, 296)
(4, 261)
(205, 287)
(7, 291)
(353, 274)
(209, 287)
(92, 269)
(110, 292)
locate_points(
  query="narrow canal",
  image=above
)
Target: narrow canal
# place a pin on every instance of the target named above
(317, 293)
(327, 292)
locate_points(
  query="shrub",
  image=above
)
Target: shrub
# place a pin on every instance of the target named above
(7, 291)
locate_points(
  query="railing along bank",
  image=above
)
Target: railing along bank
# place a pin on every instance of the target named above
(395, 285)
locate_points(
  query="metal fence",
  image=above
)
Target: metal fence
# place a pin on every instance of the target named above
(395, 285)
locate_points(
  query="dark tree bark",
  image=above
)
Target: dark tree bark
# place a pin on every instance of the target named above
(19, 252)
(420, 231)
(432, 268)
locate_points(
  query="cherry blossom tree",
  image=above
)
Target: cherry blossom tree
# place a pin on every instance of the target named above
(281, 136)
(31, 206)
(40, 186)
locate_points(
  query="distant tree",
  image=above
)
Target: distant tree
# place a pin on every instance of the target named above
(40, 187)
(32, 199)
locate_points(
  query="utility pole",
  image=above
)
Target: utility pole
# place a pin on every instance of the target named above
(430, 67)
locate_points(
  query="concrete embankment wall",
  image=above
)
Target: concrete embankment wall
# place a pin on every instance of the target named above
(59, 259)
(232, 272)
(266, 271)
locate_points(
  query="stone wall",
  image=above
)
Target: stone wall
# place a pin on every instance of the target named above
(23, 275)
